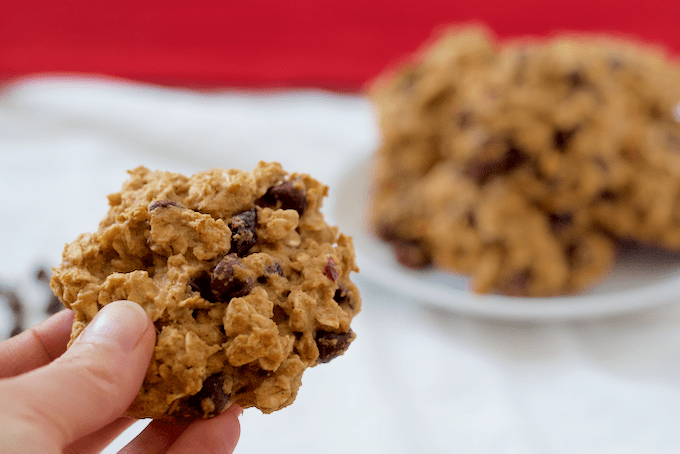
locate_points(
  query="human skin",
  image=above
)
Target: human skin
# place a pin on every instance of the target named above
(72, 401)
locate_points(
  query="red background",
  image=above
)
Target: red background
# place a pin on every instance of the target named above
(337, 44)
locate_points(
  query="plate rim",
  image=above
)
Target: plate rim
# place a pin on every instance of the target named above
(557, 308)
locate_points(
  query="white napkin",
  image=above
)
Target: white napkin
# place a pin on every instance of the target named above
(418, 379)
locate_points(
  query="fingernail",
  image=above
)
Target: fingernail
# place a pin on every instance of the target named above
(120, 324)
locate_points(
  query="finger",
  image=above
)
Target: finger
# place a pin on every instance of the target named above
(36, 346)
(156, 438)
(217, 435)
(91, 384)
(95, 442)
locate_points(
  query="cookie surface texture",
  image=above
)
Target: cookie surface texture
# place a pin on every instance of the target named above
(521, 165)
(246, 284)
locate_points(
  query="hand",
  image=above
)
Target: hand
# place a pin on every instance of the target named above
(56, 400)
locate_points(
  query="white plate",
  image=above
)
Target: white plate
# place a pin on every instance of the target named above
(642, 278)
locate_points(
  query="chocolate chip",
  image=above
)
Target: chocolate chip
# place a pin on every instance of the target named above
(163, 204)
(560, 221)
(562, 137)
(285, 194)
(496, 158)
(329, 269)
(212, 389)
(224, 284)
(411, 253)
(243, 232)
(331, 345)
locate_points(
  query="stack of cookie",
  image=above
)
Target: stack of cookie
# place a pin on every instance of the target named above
(523, 165)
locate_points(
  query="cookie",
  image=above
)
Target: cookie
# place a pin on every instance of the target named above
(522, 164)
(245, 282)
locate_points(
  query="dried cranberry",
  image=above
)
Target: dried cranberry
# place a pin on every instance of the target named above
(329, 269)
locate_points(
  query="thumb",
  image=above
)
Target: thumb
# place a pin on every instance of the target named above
(90, 385)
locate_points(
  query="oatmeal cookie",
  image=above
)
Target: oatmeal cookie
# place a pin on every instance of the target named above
(521, 164)
(245, 282)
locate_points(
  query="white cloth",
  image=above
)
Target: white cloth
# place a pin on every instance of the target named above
(418, 379)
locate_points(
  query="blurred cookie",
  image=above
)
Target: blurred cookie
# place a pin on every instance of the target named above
(520, 165)
(245, 282)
